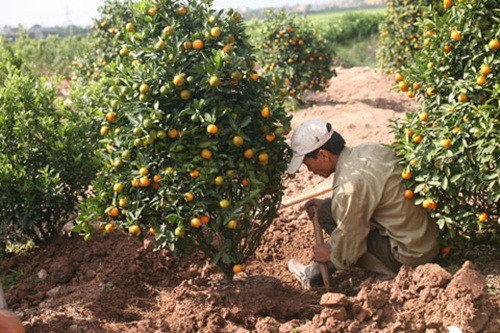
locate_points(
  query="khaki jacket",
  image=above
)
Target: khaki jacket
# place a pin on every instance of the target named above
(368, 193)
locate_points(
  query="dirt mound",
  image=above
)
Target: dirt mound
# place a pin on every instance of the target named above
(118, 284)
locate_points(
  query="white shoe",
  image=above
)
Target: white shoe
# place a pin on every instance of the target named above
(305, 274)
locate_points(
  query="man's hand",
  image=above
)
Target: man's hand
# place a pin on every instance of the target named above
(310, 205)
(321, 253)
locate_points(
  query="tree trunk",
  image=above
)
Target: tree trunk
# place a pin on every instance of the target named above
(3, 303)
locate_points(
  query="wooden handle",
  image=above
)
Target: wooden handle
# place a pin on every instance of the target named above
(318, 235)
(304, 197)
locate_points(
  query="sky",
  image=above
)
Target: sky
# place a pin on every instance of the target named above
(53, 12)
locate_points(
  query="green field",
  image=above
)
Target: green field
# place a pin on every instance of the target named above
(325, 18)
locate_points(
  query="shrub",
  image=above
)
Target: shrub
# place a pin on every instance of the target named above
(292, 55)
(451, 146)
(192, 142)
(400, 37)
(45, 159)
(349, 27)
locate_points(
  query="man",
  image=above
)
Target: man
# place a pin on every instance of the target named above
(371, 224)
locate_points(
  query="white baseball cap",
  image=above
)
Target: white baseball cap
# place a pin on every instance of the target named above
(308, 137)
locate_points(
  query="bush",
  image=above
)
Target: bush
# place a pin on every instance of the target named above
(349, 27)
(51, 56)
(105, 41)
(45, 159)
(400, 36)
(451, 148)
(292, 55)
(192, 142)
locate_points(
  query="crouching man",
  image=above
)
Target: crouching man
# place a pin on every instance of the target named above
(372, 225)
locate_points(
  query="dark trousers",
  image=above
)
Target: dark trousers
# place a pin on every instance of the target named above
(377, 245)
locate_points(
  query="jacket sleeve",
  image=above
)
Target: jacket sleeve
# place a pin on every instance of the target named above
(353, 205)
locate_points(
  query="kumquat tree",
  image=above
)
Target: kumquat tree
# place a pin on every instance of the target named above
(292, 54)
(450, 148)
(400, 37)
(192, 140)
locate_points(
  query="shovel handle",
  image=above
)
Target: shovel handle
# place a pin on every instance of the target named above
(318, 235)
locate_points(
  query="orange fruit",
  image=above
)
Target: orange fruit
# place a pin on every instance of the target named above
(152, 11)
(483, 217)
(417, 139)
(104, 130)
(135, 182)
(198, 44)
(238, 141)
(463, 98)
(130, 27)
(447, 48)
(408, 194)
(145, 181)
(215, 32)
(134, 229)
(447, 143)
(270, 137)
(403, 86)
(178, 80)
(224, 203)
(406, 174)
(219, 180)
(205, 219)
(494, 44)
(430, 91)
(263, 158)
(237, 269)
(206, 154)
(185, 94)
(152, 231)
(212, 129)
(427, 204)
(195, 222)
(144, 89)
(179, 231)
(232, 224)
(245, 182)
(173, 133)
(188, 196)
(227, 48)
(399, 77)
(485, 69)
(249, 153)
(118, 187)
(114, 212)
(423, 116)
(168, 30)
(157, 178)
(111, 117)
(446, 250)
(481, 80)
(143, 171)
(265, 112)
(455, 35)
(214, 81)
(182, 10)
(416, 86)
(194, 174)
(109, 227)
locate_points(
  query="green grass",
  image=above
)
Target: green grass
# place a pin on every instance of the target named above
(325, 18)
(359, 52)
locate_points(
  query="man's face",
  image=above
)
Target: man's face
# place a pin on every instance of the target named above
(322, 165)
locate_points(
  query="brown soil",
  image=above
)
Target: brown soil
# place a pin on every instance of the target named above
(117, 284)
